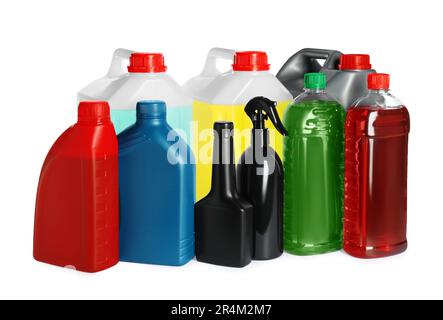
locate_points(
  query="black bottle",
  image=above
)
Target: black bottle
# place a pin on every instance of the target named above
(260, 180)
(223, 220)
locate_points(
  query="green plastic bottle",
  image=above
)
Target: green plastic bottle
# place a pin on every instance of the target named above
(314, 171)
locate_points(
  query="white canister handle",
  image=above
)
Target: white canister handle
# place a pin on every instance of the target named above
(210, 69)
(119, 63)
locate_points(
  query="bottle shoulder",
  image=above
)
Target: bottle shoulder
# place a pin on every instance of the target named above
(378, 99)
(268, 154)
(267, 163)
(86, 141)
(79, 145)
(233, 205)
(131, 89)
(313, 96)
(140, 132)
(160, 138)
(239, 87)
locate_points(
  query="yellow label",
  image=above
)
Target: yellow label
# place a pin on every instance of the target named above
(204, 116)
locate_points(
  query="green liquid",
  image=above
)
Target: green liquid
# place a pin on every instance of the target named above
(314, 177)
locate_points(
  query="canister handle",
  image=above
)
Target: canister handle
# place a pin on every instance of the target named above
(296, 65)
(210, 69)
(119, 63)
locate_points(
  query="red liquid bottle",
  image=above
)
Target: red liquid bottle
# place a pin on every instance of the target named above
(376, 151)
(76, 213)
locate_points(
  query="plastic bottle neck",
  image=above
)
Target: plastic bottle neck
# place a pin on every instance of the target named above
(251, 71)
(260, 138)
(153, 121)
(94, 122)
(223, 168)
(379, 91)
(314, 91)
(147, 74)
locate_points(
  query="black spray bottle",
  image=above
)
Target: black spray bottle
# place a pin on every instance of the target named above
(223, 220)
(260, 180)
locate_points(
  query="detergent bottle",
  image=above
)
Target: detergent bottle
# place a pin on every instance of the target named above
(260, 180)
(76, 213)
(224, 98)
(103, 88)
(376, 130)
(196, 85)
(314, 170)
(223, 219)
(346, 73)
(157, 190)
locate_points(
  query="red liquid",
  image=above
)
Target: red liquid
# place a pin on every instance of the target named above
(375, 181)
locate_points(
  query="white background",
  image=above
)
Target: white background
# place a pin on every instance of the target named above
(50, 49)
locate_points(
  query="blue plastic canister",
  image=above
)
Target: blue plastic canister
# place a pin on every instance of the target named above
(157, 190)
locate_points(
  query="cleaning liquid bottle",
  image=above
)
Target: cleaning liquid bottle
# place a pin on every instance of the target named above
(76, 212)
(260, 180)
(223, 219)
(346, 74)
(144, 79)
(224, 98)
(314, 164)
(157, 190)
(377, 129)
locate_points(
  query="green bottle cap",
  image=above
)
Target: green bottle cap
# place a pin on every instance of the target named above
(315, 81)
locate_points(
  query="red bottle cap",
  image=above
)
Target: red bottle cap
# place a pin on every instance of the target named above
(378, 81)
(355, 62)
(250, 61)
(147, 63)
(93, 111)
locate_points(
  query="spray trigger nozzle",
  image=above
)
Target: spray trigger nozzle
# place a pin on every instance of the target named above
(260, 109)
